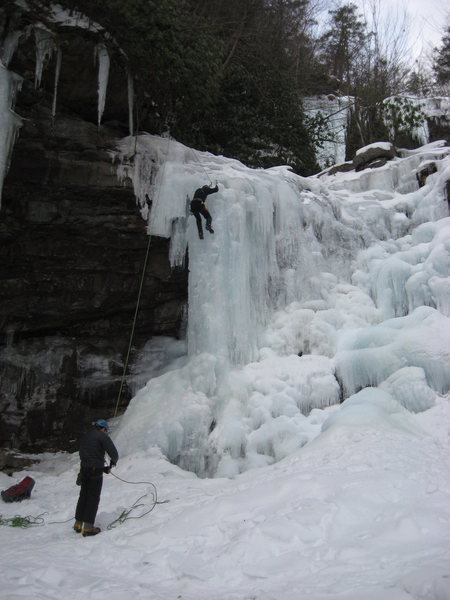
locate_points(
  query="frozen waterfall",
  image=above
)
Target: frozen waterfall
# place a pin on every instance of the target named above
(310, 290)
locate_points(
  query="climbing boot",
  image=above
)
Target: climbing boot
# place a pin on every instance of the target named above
(77, 527)
(89, 530)
(209, 228)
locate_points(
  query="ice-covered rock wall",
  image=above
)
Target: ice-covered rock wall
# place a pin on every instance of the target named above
(72, 240)
(436, 122)
(337, 110)
(309, 290)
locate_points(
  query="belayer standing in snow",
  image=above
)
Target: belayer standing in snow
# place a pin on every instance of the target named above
(198, 207)
(93, 446)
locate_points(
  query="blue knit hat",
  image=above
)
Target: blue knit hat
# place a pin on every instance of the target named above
(102, 424)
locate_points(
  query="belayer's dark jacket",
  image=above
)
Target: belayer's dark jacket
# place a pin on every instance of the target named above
(93, 446)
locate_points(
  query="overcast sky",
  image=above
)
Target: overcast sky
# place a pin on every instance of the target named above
(427, 19)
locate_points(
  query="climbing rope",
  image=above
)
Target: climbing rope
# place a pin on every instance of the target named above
(141, 285)
(23, 522)
(153, 212)
(125, 515)
(30, 521)
(196, 156)
(125, 366)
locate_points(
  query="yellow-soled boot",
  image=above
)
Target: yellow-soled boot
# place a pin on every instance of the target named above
(77, 527)
(89, 530)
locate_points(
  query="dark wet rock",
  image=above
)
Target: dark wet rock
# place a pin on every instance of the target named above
(424, 171)
(368, 156)
(72, 250)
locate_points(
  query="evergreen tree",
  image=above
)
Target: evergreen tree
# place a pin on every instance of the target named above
(441, 63)
(259, 117)
(343, 43)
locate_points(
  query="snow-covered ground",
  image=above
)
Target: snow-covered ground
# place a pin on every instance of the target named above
(310, 291)
(361, 513)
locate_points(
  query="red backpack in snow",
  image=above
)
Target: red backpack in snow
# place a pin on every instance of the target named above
(20, 491)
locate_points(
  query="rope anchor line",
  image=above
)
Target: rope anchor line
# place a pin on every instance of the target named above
(141, 285)
(153, 212)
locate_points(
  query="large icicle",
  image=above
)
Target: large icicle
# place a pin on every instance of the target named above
(102, 55)
(44, 49)
(130, 102)
(9, 121)
(10, 46)
(57, 72)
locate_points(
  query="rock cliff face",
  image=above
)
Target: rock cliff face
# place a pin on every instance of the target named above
(72, 250)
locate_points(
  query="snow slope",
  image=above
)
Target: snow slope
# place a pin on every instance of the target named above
(361, 512)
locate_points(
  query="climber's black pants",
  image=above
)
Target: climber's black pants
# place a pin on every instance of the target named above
(197, 209)
(91, 488)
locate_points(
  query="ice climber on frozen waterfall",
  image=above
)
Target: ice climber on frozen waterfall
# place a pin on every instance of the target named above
(198, 207)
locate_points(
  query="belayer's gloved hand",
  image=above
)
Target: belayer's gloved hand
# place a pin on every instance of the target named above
(106, 470)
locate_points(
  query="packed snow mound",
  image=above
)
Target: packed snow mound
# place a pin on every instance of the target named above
(310, 290)
(368, 407)
(368, 356)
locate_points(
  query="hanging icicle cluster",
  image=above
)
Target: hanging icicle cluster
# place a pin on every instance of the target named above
(46, 45)
(130, 102)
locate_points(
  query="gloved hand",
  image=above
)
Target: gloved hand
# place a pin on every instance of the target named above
(106, 470)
